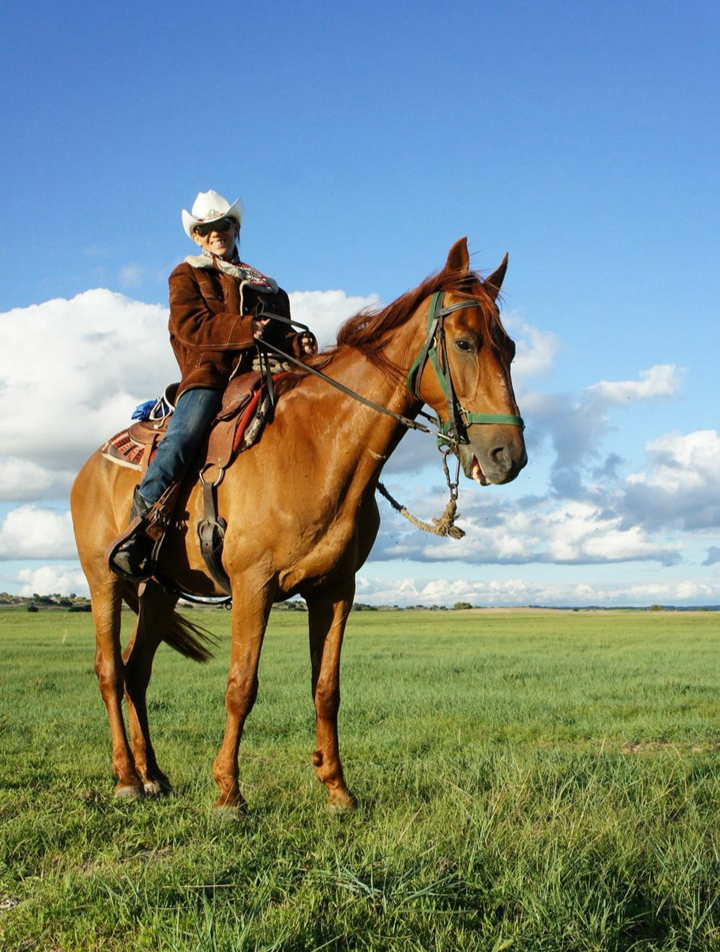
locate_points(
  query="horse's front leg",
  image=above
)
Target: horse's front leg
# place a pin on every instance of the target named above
(250, 614)
(155, 612)
(327, 616)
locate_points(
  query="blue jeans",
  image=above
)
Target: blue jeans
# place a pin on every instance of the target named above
(189, 424)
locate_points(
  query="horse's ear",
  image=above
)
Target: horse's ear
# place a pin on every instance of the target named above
(493, 284)
(458, 257)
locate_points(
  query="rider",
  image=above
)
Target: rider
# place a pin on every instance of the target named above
(214, 298)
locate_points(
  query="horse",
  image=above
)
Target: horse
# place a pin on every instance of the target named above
(301, 511)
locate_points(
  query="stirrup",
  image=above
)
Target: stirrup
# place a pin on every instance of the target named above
(133, 533)
(147, 519)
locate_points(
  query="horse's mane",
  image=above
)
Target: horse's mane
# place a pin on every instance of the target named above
(367, 330)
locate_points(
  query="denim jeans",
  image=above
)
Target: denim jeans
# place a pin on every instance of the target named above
(188, 425)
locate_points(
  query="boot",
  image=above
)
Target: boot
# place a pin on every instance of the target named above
(132, 557)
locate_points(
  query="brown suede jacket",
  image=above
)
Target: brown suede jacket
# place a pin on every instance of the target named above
(209, 334)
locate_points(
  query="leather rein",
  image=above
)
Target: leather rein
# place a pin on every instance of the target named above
(434, 349)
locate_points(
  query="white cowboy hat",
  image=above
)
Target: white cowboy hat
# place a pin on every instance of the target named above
(209, 206)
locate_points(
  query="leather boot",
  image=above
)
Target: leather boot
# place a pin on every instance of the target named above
(132, 558)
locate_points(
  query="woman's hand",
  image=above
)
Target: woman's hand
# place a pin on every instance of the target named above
(259, 325)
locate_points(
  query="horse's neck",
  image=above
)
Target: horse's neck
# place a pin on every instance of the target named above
(367, 436)
(361, 375)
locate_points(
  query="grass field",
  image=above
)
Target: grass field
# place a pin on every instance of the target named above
(527, 781)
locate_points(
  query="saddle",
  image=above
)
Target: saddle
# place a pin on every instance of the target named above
(237, 427)
(247, 406)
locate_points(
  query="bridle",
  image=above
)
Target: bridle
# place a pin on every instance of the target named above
(435, 350)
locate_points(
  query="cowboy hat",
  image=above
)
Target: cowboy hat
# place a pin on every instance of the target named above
(209, 207)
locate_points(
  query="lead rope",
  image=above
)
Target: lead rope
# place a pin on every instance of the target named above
(445, 525)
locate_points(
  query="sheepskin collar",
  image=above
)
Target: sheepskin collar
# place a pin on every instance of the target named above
(238, 269)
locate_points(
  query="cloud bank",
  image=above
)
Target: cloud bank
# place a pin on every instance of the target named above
(72, 371)
(519, 592)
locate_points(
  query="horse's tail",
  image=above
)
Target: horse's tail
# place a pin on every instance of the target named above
(188, 638)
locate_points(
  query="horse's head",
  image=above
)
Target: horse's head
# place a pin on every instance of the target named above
(463, 371)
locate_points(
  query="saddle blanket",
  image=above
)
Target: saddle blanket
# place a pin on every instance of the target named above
(237, 427)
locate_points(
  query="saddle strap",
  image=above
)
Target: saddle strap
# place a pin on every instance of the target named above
(211, 535)
(220, 444)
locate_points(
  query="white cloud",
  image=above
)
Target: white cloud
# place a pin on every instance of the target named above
(29, 532)
(536, 349)
(21, 481)
(662, 380)
(324, 311)
(519, 532)
(72, 371)
(576, 424)
(682, 488)
(519, 592)
(52, 579)
(683, 461)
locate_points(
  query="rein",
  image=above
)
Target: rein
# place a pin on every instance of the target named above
(454, 431)
(406, 421)
(452, 434)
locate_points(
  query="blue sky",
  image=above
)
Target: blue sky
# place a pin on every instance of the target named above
(364, 139)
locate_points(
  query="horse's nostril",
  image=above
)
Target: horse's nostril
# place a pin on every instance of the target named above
(501, 457)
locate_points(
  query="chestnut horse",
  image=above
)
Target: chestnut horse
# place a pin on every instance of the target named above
(301, 513)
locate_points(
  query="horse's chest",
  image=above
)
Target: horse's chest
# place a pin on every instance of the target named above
(338, 550)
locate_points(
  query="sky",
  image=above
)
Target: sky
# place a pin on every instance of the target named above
(364, 139)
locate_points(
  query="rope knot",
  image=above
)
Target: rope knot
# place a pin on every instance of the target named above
(444, 526)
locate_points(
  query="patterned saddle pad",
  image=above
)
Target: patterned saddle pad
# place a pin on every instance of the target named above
(238, 426)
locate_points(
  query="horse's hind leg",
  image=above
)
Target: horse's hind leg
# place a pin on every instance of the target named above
(106, 603)
(327, 617)
(155, 611)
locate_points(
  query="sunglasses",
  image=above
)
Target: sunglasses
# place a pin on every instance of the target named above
(222, 224)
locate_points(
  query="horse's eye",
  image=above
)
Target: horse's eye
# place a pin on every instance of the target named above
(463, 344)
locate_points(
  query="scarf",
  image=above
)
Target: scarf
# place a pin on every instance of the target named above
(245, 273)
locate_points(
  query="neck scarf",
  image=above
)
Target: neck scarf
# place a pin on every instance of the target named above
(238, 269)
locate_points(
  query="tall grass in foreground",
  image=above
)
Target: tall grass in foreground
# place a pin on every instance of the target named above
(527, 781)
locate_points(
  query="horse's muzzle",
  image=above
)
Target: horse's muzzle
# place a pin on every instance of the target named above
(493, 461)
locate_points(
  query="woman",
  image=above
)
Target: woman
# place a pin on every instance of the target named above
(213, 331)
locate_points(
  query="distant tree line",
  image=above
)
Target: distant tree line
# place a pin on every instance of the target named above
(71, 603)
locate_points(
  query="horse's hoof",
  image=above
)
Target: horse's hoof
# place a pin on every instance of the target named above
(226, 814)
(343, 803)
(230, 807)
(127, 792)
(230, 811)
(156, 788)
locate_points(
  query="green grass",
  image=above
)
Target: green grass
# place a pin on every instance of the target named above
(527, 781)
